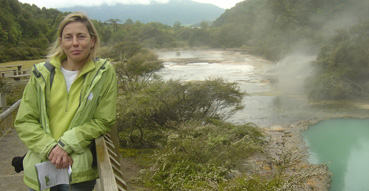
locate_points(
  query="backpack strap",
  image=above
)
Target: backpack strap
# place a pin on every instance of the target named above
(51, 69)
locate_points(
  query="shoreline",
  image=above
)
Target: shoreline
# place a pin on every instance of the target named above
(289, 137)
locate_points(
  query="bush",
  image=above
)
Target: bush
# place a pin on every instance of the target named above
(287, 174)
(200, 157)
(159, 105)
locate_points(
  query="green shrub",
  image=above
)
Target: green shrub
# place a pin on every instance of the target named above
(200, 157)
(159, 105)
(287, 173)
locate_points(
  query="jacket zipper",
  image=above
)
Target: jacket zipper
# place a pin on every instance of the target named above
(66, 107)
(87, 93)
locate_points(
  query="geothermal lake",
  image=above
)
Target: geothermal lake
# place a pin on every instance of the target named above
(343, 144)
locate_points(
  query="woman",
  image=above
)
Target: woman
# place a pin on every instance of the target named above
(68, 102)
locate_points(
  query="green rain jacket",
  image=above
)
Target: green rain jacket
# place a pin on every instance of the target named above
(94, 117)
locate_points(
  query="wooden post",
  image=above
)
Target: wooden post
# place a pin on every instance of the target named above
(114, 135)
(111, 177)
(19, 70)
(3, 102)
(3, 108)
(107, 177)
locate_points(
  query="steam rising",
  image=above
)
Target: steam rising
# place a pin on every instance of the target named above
(295, 67)
(292, 72)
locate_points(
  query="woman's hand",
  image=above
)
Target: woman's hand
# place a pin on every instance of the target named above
(60, 158)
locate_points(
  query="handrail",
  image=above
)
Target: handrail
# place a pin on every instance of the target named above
(9, 111)
(7, 116)
(110, 174)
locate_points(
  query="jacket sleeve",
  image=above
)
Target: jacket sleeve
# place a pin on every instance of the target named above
(103, 118)
(27, 122)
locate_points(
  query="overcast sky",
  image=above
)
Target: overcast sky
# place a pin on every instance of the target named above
(70, 3)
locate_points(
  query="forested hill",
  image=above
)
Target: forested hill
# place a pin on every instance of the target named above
(274, 28)
(335, 30)
(26, 31)
(186, 12)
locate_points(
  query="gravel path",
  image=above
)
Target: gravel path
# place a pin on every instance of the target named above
(11, 146)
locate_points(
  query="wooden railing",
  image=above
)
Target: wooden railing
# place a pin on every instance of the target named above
(111, 177)
(6, 117)
(110, 174)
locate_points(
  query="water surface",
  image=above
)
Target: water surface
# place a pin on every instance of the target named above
(344, 145)
(274, 90)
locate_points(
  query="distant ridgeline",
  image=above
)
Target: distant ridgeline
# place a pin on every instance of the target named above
(186, 12)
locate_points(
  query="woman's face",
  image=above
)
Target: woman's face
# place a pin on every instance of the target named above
(76, 42)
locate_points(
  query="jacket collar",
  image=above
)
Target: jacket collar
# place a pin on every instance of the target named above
(87, 67)
(43, 74)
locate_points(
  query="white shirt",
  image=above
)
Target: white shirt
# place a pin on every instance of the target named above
(69, 77)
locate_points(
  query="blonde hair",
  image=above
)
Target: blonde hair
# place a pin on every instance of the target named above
(55, 49)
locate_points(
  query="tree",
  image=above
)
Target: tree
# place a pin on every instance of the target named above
(177, 26)
(115, 23)
(135, 64)
(128, 22)
(342, 66)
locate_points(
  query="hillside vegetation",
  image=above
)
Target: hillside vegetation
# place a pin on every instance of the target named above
(26, 31)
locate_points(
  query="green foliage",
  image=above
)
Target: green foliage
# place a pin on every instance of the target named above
(122, 51)
(230, 38)
(156, 35)
(135, 66)
(288, 174)
(200, 157)
(13, 91)
(25, 30)
(141, 64)
(158, 105)
(150, 35)
(342, 66)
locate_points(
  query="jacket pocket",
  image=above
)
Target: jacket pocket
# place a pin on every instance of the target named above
(29, 162)
(82, 162)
